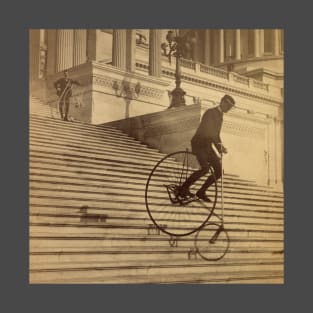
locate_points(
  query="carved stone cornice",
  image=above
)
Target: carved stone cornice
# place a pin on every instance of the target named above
(113, 70)
(111, 83)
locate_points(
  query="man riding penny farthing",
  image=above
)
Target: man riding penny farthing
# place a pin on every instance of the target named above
(181, 191)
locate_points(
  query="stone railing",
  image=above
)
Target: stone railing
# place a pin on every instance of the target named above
(241, 79)
(213, 71)
(259, 84)
(188, 64)
(219, 73)
(204, 75)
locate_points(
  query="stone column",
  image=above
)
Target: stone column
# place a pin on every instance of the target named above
(65, 39)
(80, 46)
(207, 47)
(261, 42)
(51, 51)
(34, 53)
(221, 46)
(195, 47)
(228, 42)
(43, 54)
(256, 43)
(276, 41)
(155, 52)
(238, 45)
(131, 50)
(119, 48)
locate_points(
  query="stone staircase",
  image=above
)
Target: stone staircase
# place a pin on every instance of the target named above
(88, 221)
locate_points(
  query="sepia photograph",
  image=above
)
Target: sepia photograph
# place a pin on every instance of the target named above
(156, 156)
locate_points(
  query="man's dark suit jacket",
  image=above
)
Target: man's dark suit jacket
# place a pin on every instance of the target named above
(65, 85)
(209, 129)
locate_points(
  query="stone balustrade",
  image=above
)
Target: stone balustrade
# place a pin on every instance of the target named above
(213, 71)
(207, 76)
(241, 79)
(188, 64)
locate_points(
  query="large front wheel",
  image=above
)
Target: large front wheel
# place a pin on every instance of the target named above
(168, 211)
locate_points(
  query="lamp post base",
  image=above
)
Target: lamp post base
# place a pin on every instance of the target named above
(178, 98)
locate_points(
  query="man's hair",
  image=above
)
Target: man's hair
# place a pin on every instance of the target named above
(65, 71)
(229, 99)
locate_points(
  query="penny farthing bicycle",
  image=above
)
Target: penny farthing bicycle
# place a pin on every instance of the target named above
(179, 216)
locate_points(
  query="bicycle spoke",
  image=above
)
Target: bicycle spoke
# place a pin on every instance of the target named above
(164, 205)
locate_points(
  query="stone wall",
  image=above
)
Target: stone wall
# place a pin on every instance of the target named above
(246, 137)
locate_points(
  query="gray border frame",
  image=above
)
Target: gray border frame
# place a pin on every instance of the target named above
(17, 294)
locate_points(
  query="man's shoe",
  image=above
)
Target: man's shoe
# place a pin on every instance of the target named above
(203, 196)
(66, 119)
(185, 193)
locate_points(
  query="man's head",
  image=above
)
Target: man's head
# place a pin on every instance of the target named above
(65, 73)
(227, 102)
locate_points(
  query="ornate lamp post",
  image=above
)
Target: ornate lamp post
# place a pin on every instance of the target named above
(178, 46)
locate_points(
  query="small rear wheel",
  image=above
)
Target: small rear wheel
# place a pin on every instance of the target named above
(212, 242)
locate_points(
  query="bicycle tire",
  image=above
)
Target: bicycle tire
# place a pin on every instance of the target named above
(176, 219)
(215, 250)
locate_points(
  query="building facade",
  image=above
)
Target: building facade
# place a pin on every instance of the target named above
(125, 75)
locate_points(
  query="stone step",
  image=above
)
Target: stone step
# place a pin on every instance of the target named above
(161, 274)
(95, 131)
(111, 155)
(37, 103)
(112, 239)
(145, 252)
(107, 194)
(152, 243)
(41, 179)
(65, 222)
(142, 216)
(126, 206)
(118, 260)
(132, 155)
(120, 168)
(75, 145)
(107, 144)
(104, 151)
(106, 136)
(131, 235)
(125, 189)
